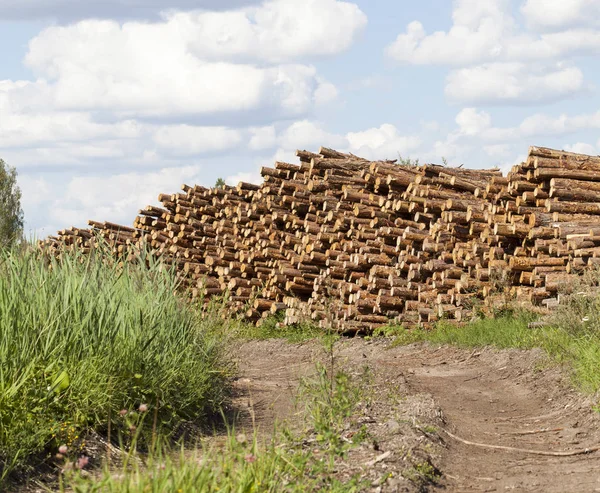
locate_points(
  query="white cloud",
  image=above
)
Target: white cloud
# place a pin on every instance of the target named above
(384, 142)
(187, 140)
(277, 30)
(512, 82)
(472, 122)
(117, 197)
(475, 35)
(245, 176)
(56, 128)
(486, 31)
(581, 148)
(476, 127)
(193, 63)
(557, 14)
(262, 138)
(309, 135)
(146, 71)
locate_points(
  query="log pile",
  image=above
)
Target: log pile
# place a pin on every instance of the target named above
(354, 244)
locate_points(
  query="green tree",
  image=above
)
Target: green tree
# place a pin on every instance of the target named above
(11, 214)
(220, 183)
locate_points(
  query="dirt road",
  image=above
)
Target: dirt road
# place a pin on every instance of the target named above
(428, 402)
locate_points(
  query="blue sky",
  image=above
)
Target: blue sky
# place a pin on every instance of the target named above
(103, 105)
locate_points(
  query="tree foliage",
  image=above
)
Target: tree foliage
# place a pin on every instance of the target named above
(11, 214)
(220, 183)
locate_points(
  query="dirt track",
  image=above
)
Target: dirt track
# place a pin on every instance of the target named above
(497, 398)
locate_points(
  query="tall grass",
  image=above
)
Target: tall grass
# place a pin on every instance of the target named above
(82, 338)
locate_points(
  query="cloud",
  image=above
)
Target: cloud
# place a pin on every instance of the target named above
(187, 140)
(262, 138)
(245, 176)
(228, 66)
(319, 27)
(475, 34)
(97, 66)
(581, 148)
(307, 134)
(384, 142)
(72, 10)
(486, 31)
(476, 128)
(472, 122)
(513, 83)
(117, 197)
(558, 14)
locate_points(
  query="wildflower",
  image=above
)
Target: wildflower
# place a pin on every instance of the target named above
(123, 412)
(143, 408)
(241, 438)
(82, 462)
(63, 449)
(250, 458)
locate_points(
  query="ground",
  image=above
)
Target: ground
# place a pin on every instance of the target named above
(421, 403)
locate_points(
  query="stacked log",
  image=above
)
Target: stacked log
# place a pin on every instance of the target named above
(354, 244)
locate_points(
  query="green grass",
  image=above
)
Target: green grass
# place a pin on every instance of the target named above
(505, 332)
(283, 462)
(273, 328)
(82, 339)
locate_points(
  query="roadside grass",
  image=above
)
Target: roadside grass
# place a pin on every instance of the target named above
(82, 338)
(273, 328)
(288, 460)
(570, 336)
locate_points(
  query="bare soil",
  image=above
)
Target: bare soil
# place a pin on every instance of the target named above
(419, 393)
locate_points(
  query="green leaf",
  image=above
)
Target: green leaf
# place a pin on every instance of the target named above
(61, 383)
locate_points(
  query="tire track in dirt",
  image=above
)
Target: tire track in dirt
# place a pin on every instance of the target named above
(498, 398)
(508, 398)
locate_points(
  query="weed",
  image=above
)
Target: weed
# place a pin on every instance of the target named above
(422, 473)
(273, 328)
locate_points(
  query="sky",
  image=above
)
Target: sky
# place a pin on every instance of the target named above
(104, 105)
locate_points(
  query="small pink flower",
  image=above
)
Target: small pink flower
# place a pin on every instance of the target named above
(63, 449)
(143, 408)
(123, 412)
(82, 462)
(250, 458)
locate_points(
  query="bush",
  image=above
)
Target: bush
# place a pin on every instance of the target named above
(82, 339)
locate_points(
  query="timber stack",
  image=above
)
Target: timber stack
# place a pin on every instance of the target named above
(356, 244)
